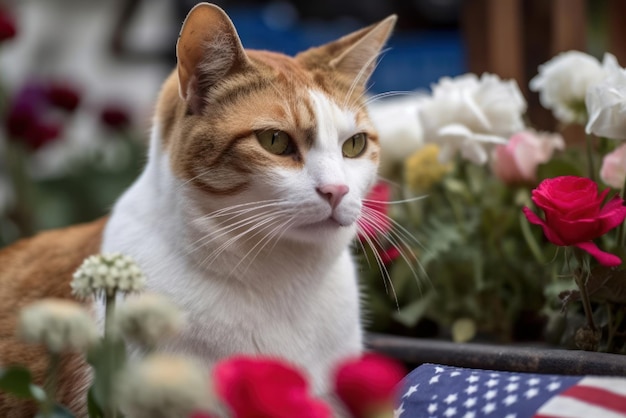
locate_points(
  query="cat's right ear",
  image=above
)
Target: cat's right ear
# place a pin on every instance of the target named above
(207, 50)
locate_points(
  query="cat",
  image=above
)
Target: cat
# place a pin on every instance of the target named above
(257, 168)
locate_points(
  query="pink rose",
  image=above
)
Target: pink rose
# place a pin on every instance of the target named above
(517, 160)
(574, 214)
(265, 388)
(613, 171)
(367, 384)
(374, 220)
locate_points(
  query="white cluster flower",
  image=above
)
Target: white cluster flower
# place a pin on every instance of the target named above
(563, 82)
(471, 114)
(606, 102)
(148, 319)
(106, 274)
(163, 386)
(58, 324)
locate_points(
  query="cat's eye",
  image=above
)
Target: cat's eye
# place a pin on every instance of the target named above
(354, 146)
(276, 142)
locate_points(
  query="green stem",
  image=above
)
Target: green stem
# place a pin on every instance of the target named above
(621, 231)
(50, 384)
(584, 296)
(22, 213)
(110, 411)
(590, 163)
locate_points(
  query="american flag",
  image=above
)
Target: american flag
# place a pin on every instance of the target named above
(436, 391)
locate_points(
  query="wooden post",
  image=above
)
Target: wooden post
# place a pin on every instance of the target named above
(617, 30)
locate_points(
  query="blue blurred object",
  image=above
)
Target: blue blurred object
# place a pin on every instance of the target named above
(412, 61)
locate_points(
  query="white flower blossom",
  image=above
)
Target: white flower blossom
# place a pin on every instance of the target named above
(469, 115)
(606, 102)
(163, 386)
(148, 319)
(563, 81)
(399, 129)
(106, 274)
(58, 324)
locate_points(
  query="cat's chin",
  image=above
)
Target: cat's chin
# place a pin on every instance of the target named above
(320, 231)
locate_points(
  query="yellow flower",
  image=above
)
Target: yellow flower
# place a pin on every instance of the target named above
(423, 169)
(163, 386)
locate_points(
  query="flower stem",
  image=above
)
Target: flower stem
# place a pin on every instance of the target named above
(50, 385)
(584, 296)
(621, 230)
(110, 411)
(590, 163)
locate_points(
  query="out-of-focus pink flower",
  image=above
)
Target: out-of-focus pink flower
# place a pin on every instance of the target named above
(26, 118)
(265, 388)
(517, 161)
(115, 116)
(8, 29)
(390, 254)
(63, 95)
(202, 414)
(613, 171)
(367, 384)
(374, 220)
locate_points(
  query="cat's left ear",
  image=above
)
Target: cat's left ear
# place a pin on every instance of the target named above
(353, 55)
(208, 50)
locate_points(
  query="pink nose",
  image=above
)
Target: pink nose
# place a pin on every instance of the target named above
(333, 193)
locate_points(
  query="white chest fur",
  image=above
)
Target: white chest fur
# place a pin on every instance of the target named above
(292, 301)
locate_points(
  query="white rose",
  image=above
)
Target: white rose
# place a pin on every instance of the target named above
(563, 82)
(468, 115)
(606, 102)
(399, 129)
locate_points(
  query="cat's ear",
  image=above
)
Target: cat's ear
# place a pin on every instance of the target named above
(353, 55)
(207, 50)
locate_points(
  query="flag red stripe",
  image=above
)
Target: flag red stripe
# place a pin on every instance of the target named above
(596, 396)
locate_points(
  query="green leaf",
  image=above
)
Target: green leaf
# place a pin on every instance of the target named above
(413, 312)
(59, 411)
(93, 408)
(16, 380)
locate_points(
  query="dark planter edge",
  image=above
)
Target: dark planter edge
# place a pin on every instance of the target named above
(415, 351)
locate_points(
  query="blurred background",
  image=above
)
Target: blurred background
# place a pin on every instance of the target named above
(78, 78)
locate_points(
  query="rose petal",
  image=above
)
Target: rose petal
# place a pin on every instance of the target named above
(604, 258)
(551, 235)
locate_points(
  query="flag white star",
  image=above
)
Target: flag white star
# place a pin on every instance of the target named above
(439, 369)
(534, 381)
(553, 386)
(473, 378)
(412, 390)
(514, 378)
(455, 374)
(511, 416)
(450, 412)
(451, 398)
(492, 382)
(469, 402)
(490, 394)
(510, 400)
(511, 387)
(489, 408)
(531, 393)
(494, 375)
(470, 414)
(471, 389)
(432, 408)
(398, 412)
(434, 379)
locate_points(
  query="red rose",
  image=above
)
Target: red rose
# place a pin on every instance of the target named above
(63, 95)
(574, 214)
(265, 388)
(367, 384)
(374, 220)
(7, 26)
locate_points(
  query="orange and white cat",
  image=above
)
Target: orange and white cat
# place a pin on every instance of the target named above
(245, 211)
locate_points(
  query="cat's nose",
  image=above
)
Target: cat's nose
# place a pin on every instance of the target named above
(333, 193)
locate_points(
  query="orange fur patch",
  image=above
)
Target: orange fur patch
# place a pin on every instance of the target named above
(30, 270)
